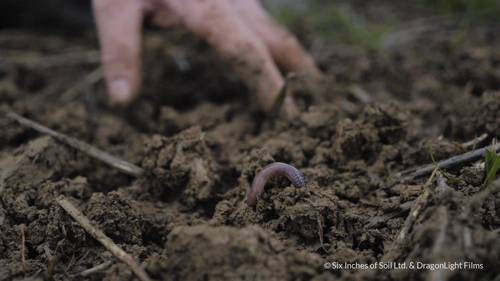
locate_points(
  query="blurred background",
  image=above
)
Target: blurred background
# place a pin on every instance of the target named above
(375, 24)
(392, 48)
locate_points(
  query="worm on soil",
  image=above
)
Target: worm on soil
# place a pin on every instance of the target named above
(274, 169)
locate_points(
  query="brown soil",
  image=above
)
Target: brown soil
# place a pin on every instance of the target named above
(201, 139)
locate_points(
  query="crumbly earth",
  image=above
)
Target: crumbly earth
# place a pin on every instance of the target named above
(201, 139)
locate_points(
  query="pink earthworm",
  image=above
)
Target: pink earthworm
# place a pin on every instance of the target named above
(274, 169)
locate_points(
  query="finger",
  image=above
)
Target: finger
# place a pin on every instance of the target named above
(284, 46)
(289, 109)
(166, 18)
(216, 21)
(119, 25)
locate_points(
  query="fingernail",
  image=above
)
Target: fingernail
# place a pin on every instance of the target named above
(120, 90)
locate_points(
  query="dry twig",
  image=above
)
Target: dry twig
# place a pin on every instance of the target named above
(91, 78)
(475, 141)
(96, 269)
(64, 59)
(84, 147)
(450, 162)
(49, 273)
(418, 206)
(48, 255)
(102, 238)
(360, 94)
(23, 248)
(405, 207)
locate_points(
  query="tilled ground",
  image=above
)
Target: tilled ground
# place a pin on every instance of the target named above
(200, 138)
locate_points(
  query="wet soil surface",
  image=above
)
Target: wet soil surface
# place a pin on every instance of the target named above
(201, 139)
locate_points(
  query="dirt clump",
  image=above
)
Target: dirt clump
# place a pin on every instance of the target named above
(183, 165)
(229, 253)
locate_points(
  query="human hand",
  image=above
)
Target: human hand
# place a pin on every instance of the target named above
(240, 30)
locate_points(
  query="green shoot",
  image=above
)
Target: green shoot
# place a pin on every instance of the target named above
(442, 172)
(491, 165)
(336, 23)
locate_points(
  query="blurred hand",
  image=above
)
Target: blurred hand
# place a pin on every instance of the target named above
(240, 30)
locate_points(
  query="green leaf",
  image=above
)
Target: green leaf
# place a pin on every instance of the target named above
(491, 165)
